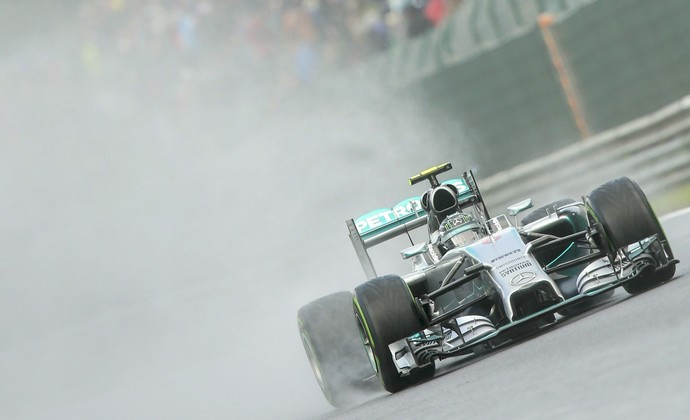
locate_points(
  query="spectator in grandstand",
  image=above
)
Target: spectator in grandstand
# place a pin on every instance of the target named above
(416, 23)
(299, 27)
(156, 40)
(435, 11)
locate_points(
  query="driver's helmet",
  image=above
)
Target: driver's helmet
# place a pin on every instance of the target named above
(459, 229)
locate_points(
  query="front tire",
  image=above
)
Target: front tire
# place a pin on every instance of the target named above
(331, 340)
(386, 313)
(622, 209)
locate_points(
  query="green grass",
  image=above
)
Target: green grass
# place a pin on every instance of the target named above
(673, 199)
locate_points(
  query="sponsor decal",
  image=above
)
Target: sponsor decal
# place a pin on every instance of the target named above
(515, 268)
(522, 278)
(459, 183)
(456, 221)
(508, 254)
(380, 218)
(383, 217)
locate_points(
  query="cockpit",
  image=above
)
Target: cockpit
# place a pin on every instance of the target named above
(459, 229)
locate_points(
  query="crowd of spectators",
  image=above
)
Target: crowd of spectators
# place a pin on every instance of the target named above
(302, 38)
(210, 49)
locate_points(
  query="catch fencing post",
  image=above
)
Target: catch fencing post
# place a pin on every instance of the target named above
(545, 24)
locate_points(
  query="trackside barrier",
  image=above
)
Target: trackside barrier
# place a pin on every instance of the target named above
(505, 81)
(653, 150)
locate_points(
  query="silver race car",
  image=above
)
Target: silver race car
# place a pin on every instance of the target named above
(477, 282)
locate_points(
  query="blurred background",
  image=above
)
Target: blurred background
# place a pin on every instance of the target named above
(175, 174)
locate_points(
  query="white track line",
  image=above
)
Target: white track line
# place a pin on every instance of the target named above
(676, 213)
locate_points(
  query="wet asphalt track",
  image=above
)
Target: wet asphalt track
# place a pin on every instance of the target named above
(627, 359)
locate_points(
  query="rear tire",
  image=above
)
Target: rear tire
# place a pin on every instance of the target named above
(622, 209)
(386, 312)
(331, 340)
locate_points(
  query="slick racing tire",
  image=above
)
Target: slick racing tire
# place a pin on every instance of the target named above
(386, 313)
(622, 209)
(334, 349)
(542, 211)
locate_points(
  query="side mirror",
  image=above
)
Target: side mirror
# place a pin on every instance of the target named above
(517, 208)
(414, 250)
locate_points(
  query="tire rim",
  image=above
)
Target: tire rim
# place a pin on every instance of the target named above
(313, 361)
(367, 343)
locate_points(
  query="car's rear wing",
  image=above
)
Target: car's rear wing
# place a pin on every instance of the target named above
(383, 224)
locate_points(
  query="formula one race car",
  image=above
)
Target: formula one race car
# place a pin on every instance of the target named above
(478, 282)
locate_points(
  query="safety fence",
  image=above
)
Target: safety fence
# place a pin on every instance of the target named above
(504, 81)
(653, 150)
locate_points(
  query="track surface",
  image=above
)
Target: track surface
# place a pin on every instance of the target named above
(628, 358)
